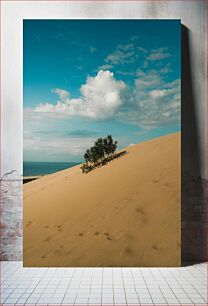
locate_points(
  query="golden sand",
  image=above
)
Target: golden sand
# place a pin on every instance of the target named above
(126, 213)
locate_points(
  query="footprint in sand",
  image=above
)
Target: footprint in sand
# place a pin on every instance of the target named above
(144, 220)
(140, 211)
(59, 227)
(155, 247)
(97, 233)
(29, 223)
(107, 236)
(142, 215)
(81, 234)
(48, 239)
(46, 226)
(128, 251)
(43, 257)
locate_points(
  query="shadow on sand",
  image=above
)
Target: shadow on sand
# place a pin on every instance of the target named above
(105, 161)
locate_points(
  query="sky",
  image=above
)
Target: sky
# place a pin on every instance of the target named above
(85, 79)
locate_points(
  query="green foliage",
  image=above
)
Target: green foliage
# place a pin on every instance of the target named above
(86, 167)
(99, 153)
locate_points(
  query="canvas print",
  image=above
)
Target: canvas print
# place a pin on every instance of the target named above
(101, 169)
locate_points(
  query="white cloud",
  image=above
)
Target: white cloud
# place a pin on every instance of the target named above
(124, 54)
(151, 102)
(148, 80)
(105, 67)
(141, 49)
(158, 54)
(157, 103)
(53, 147)
(100, 97)
(166, 69)
(63, 94)
(155, 94)
(50, 138)
(120, 57)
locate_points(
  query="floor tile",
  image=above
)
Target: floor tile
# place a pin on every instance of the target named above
(109, 286)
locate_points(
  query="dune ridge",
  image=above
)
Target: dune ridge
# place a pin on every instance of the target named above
(126, 213)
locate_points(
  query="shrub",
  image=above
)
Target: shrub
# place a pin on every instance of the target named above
(86, 167)
(99, 153)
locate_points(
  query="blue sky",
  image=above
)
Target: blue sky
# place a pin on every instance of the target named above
(84, 79)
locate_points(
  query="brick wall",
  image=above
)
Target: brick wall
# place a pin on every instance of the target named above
(11, 219)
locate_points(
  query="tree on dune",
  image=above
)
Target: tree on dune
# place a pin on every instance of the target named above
(100, 153)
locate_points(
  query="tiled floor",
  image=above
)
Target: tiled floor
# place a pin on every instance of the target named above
(103, 286)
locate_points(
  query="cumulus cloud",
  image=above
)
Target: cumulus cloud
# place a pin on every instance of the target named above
(158, 106)
(158, 93)
(124, 54)
(158, 54)
(100, 97)
(151, 102)
(128, 53)
(147, 80)
(70, 148)
(63, 94)
(166, 69)
(157, 103)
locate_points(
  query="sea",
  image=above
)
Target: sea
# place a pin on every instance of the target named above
(31, 168)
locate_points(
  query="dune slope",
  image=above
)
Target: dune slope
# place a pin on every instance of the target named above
(126, 213)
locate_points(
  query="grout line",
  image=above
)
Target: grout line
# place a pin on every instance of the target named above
(15, 275)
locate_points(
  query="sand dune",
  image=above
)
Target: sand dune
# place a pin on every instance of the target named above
(126, 213)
